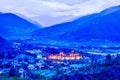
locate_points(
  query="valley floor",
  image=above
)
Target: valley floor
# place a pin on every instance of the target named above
(28, 62)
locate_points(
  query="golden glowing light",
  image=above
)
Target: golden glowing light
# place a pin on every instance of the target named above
(63, 56)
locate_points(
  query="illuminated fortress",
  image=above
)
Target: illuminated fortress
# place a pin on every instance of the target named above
(62, 56)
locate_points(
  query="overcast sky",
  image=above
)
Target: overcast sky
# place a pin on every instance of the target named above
(50, 12)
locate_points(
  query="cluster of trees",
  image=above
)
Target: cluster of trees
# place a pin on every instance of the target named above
(109, 69)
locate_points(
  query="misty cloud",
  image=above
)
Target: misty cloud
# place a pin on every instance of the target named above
(54, 9)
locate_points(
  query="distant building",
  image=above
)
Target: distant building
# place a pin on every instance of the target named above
(62, 56)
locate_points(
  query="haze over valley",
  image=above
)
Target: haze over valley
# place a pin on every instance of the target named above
(68, 44)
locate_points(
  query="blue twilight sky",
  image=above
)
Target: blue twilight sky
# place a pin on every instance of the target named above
(50, 12)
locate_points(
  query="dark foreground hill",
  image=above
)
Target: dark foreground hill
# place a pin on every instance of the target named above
(3, 43)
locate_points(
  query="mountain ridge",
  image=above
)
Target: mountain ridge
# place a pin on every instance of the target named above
(95, 26)
(15, 27)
